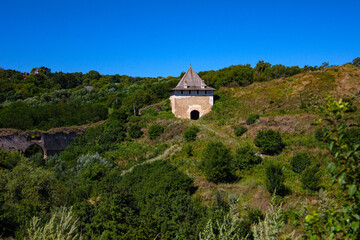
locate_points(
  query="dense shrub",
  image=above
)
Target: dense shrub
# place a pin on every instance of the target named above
(252, 118)
(299, 162)
(8, 160)
(244, 231)
(155, 131)
(216, 163)
(188, 149)
(255, 215)
(245, 158)
(318, 134)
(135, 131)
(350, 105)
(269, 141)
(353, 136)
(190, 133)
(275, 180)
(310, 178)
(239, 130)
(162, 195)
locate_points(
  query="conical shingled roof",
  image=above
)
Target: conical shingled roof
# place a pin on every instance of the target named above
(192, 81)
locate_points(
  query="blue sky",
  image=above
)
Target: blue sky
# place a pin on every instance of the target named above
(161, 38)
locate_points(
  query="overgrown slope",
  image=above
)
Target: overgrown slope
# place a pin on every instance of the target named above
(122, 164)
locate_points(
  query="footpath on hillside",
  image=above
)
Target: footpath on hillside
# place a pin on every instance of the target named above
(168, 152)
(177, 147)
(224, 136)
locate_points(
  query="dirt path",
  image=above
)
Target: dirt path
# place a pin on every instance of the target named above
(168, 152)
(222, 135)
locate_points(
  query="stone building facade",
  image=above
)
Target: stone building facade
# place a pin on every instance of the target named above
(191, 98)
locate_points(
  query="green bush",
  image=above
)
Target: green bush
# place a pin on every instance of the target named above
(255, 215)
(351, 106)
(310, 178)
(155, 131)
(245, 158)
(216, 163)
(190, 133)
(299, 162)
(244, 231)
(269, 141)
(188, 149)
(239, 130)
(318, 134)
(356, 61)
(353, 136)
(275, 180)
(135, 131)
(252, 118)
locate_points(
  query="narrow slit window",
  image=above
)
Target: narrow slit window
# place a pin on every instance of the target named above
(197, 91)
(205, 92)
(190, 92)
(182, 92)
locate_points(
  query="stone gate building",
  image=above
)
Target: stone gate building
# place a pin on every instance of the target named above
(191, 98)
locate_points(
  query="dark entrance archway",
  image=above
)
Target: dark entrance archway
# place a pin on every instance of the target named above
(194, 115)
(36, 154)
(32, 150)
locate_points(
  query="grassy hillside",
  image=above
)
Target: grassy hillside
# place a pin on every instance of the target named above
(289, 105)
(119, 158)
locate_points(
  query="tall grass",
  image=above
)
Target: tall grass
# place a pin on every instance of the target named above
(61, 226)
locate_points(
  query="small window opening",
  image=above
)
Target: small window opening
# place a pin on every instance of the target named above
(190, 92)
(205, 92)
(182, 92)
(197, 91)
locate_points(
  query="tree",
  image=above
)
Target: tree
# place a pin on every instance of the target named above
(217, 163)
(339, 221)
(18, 115)
(92, 75)
(356, 61)
(324, 65)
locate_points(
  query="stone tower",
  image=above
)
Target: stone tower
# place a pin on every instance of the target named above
(191, 98)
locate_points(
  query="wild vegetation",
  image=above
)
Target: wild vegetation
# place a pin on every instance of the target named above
(151, 176)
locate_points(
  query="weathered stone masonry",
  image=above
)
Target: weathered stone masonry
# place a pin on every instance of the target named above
(191, 98)
(51, 142)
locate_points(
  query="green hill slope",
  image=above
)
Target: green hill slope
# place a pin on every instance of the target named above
(161, 180)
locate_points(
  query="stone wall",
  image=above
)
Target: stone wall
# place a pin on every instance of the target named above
(50, 143)
(183, 105)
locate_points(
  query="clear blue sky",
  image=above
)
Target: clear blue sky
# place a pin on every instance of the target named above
(161, 38)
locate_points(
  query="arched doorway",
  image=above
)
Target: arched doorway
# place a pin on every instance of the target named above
(35, 153)
(194, 115)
